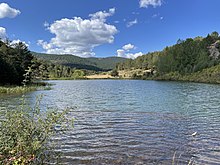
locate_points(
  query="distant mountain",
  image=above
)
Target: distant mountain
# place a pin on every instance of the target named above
(96, 64)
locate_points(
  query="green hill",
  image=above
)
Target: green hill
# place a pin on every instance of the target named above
(194, 59)
(96, 64)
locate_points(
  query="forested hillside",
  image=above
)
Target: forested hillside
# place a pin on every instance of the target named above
(188, 57)
(95, 64)
(19, 67)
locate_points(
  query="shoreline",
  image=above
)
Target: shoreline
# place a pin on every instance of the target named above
(171, 79)
(13, 89)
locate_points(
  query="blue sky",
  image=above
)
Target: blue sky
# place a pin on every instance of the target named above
(106, 28)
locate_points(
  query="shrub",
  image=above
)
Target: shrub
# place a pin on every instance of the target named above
(114, 73)
(25, 133)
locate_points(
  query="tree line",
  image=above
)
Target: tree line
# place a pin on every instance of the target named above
(185, 57)
(19, 67)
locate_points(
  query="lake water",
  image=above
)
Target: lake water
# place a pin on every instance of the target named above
(136, 122)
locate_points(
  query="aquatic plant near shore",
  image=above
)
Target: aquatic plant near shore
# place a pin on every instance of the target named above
(24, 89)
(17, 89)
(25, 133)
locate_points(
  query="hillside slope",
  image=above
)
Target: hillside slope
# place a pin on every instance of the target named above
(194, 59)
(96, 64)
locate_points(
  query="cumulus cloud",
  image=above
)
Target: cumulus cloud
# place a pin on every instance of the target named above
(125, 52)
(131, 23)
(134, 55)
(147, 3)
(2, 33)
(128, 47)
(121, 53)
(7, 11)
(80, 36)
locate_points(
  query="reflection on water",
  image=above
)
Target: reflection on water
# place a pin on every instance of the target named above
(136, 122)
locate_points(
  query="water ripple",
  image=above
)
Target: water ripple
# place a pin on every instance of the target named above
(138, 122)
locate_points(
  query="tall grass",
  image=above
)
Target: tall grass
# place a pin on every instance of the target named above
(17, 89)
(24, 89)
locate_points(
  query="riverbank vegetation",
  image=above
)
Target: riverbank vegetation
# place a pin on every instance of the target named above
(16, 89)
(21, 71)
(24, 89)
(194, 60)
(26, 132)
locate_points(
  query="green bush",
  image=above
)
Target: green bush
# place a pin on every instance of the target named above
(114, 73)
(25, 133)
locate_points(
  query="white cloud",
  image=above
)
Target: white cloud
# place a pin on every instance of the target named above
(124, 52)
(80, 36)
(147, 3)
(17, 41)
(3, 34)
(134, 55)
(131, 23)
(7, 11)
(121, 53)
(128, 47)
(102, 15)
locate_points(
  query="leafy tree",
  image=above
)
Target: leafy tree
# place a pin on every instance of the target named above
(15, 60)
(114, 73)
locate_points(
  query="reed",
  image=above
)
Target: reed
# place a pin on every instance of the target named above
(24, 89)
(17, 89)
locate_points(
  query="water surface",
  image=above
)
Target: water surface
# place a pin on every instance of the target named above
(136, 122)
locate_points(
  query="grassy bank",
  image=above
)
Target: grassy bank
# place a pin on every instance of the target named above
(24, 89)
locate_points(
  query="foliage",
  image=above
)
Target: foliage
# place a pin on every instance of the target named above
(114, 73)
(47, 70)
(180, 60)
(14, 61)
(143, 62)
(208, 75)
(25, 133)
